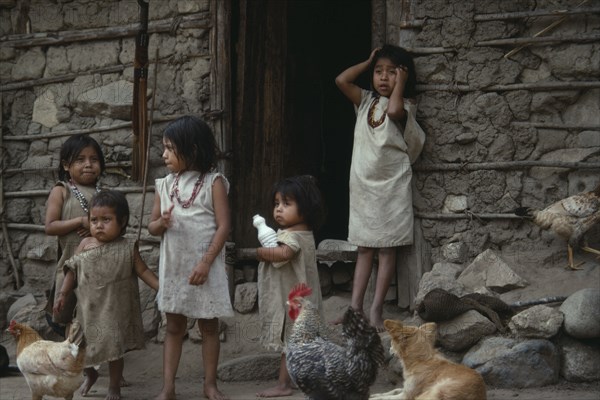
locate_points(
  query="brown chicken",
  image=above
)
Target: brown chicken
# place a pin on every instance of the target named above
(323, 369)
(569, 218)
(50, 368)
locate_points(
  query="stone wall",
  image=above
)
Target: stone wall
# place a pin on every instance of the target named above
(51, 90)
(478, 106)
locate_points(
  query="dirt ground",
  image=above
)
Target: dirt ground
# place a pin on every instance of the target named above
(143, 368)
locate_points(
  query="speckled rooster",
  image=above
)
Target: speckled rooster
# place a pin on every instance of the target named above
(323, 369)
(569, 218)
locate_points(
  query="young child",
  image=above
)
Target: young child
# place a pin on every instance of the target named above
(81, 164)
(104, 273)
(387, 140)
(298, 210)
(191, 212)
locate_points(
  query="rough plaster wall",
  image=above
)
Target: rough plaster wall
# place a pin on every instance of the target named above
(90, 100)
(477, 126)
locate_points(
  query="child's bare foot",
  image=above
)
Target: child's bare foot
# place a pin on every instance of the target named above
(166, 395)
(337, 321)
(113, 393)
(278, 391)
(211, 392)
(91, 376)
(376, 321)
(123, 382)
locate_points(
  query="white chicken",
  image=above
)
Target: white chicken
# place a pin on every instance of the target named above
(50, 368)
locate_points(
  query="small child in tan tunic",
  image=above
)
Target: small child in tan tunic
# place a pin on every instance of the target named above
(298, 209)
(104, 273)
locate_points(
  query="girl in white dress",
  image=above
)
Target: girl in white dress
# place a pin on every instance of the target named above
(191, 213)
(387, 139)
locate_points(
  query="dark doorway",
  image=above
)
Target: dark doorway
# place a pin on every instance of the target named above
(289, 117)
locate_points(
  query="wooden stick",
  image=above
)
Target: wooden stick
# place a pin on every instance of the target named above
(114, 127)
(539, 40)
(557, 85)
(52, 169)
(532, 14)
(61, 78)
(451, 216)
(503, 165)
(430, 50)
(194, 21)
(46, 192)
(546, 29)
(549, 125)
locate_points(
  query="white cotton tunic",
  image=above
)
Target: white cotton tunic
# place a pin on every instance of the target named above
(182, 247)
(381, 212)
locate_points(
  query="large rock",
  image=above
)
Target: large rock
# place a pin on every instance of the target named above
(246, 296)
(491, 271)
(539, 321)
(509, 363)
(113, 100)
(580, 360)
(582, 318)
(464, 331)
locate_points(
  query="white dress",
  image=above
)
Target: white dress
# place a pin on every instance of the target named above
(182, 247)
(381, 212)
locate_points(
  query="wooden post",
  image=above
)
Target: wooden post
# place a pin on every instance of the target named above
(412, 262)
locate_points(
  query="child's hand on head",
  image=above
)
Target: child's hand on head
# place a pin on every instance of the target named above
(401, 74)
(375, 50)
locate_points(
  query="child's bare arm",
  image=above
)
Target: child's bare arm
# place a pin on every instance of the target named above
(142, 270)
(67, 286)
(395, 109)
(275, 254)
(159, 222)
(200, 272)
(54, 225)
(345, 80)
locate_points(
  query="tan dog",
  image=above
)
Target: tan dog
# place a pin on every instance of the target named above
(427, 374)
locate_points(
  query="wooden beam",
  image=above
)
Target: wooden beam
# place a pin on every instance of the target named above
(198, 21)
(551, 125)
(539, 40)
(532, 14)
(556, 85)
(46, 192)
(503, 165)
(451, 216)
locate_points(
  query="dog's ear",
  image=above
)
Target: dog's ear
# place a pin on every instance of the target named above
(392, 325)
(430, 330)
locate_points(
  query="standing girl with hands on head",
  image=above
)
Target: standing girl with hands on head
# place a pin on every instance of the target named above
(191, 213)
(387, 140)
(104, 273)
(81, 164)
(298, 210)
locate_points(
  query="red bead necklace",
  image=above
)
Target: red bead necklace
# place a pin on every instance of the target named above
(371, 115)
(175, 191)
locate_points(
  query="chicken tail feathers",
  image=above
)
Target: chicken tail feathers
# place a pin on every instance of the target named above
(365, 336)
(525, 212)
(76, 336)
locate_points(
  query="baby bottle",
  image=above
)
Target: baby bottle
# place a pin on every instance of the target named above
(266, 235)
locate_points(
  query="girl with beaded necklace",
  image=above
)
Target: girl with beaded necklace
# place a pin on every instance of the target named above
(80, 166)
(387, 140)
(191, 214)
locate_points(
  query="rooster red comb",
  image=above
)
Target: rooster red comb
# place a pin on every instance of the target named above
(300, 290)
(12, 324)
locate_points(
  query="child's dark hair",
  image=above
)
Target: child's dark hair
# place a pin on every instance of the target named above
(71, 149)
(398, 56)
(194, 142)
(116, 201)
(305, 192)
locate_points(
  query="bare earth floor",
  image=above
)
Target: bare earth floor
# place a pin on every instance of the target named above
(143, 371)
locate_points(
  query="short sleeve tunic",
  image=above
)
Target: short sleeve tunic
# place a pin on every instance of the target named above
(182, 247)
(381, 212)
(108, 300)
(275, 281)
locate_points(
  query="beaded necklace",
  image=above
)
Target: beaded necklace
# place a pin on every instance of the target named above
(80, 197)
(175, 191)
(371, 115)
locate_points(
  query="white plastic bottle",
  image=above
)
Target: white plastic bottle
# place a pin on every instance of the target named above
(266, 235)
